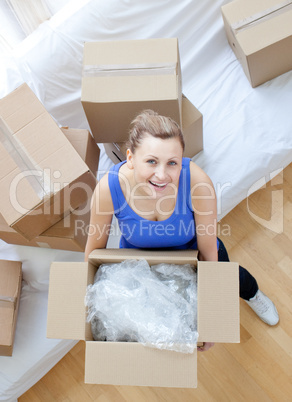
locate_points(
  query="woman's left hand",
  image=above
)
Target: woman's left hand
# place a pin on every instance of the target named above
(206, 346)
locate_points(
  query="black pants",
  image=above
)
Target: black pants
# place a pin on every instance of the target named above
(247, 284)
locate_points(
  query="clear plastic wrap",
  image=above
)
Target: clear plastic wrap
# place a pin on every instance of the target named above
(156, 306)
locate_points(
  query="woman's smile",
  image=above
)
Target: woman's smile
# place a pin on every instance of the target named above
(158, 186)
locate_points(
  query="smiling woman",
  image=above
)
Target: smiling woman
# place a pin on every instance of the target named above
(163, 200)
(155, 167)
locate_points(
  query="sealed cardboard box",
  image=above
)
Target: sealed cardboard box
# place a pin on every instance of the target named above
(192, 128)
(70, 233)
(85, 145)
(42, 176)
(10, 289)
(130, 363)
(260, 34)
(122, 78)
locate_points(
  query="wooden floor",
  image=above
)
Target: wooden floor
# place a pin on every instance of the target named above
(257, 369)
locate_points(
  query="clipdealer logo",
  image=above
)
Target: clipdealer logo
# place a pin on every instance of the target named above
(45, 183)
(276, 221)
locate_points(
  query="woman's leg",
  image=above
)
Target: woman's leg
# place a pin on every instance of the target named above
(249, 291)
(247, 284)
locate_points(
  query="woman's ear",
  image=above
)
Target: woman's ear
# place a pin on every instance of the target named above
(130, 159)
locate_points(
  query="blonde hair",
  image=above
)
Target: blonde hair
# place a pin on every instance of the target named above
(154, 124)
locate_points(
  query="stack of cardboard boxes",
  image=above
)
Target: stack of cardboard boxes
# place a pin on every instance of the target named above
(47, 176)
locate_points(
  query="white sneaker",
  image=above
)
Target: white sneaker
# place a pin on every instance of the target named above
(264, 308)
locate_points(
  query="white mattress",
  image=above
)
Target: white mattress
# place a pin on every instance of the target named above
(247, 132)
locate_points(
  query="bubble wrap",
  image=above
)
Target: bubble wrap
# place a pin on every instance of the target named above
(156, 306)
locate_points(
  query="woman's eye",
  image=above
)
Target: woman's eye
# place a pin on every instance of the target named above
(172, 163)
(151, 161)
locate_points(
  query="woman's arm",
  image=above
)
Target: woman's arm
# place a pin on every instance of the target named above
(100, 217)
(204, 204)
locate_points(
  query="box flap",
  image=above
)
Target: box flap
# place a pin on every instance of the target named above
(218, 302)
(108, 255)
(192, 127)
(78, 138)
(66, 308)
(85, 145)
(134, 364)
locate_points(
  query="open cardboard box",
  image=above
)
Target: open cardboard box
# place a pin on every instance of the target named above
(130, 363)
(123, 77)
(10, 289)
(260, 34)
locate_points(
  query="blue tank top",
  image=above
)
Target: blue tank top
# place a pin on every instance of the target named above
(176, 232)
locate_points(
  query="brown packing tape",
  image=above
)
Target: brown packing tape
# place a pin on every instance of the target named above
(102, 70)
(264, 15)
(33, 173)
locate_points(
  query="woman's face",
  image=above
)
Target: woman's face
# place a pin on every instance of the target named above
(156, 165)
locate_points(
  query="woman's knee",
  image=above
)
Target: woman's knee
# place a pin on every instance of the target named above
(222, 252)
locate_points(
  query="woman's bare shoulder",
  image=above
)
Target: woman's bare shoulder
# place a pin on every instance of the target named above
(198, 175)
(103, 185)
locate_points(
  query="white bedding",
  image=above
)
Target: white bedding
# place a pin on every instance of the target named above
(247, 132)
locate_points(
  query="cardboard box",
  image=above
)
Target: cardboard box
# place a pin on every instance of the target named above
(84, 144)
(260, 34)
(192, 128)
(70, 233)
(122, 78)
(42, 177)
(130, 363)
(116, 151)
(10, 289)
